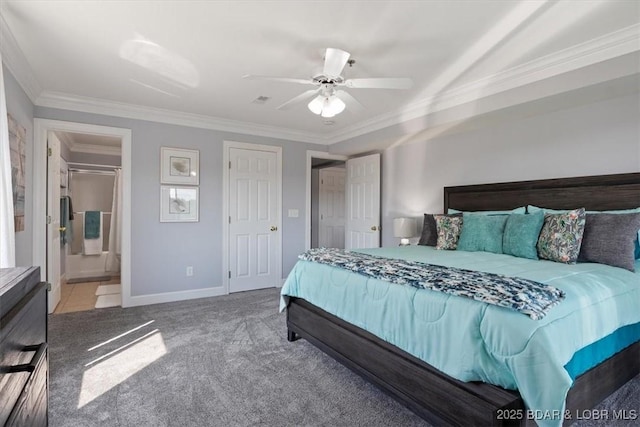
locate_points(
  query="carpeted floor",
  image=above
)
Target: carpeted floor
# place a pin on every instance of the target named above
(221, 361)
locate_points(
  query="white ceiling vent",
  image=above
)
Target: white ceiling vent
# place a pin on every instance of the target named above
(261, 100)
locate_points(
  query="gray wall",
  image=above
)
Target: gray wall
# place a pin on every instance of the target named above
(161, 251)
(21, 108)
(598, 138)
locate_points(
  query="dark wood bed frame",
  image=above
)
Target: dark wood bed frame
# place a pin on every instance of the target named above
(443, 400)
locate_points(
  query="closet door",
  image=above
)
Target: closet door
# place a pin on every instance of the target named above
(254, 218)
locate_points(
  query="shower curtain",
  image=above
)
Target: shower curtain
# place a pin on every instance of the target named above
(115, 233)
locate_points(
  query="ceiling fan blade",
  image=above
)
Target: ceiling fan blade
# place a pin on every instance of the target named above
(379, 83)
(278, 79)
(352, 104)
(334, 62)
(298, 99)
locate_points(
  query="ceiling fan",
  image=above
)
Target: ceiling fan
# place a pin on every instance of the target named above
(329, 99)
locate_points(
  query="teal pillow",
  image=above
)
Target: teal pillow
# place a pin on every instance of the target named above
(519, 210)
(482, 233)
(534, 209)
(521, 234)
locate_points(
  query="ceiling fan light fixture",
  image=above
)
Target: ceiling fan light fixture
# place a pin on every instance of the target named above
(336, 105)
(326, 106)
(316, 104)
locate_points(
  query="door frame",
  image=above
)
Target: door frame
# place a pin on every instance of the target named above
(41, 128)
(311, 154)
(227, 145)
(53, 210)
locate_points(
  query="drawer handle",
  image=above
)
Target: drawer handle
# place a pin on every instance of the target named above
(40, 350)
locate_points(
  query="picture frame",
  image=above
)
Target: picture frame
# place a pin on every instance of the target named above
(179, 166)
(179, 203)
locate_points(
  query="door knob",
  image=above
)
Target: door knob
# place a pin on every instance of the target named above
(274, 228)
(61, 229)
(374, 228)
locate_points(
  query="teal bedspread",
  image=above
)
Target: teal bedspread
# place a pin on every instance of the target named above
(474, 341)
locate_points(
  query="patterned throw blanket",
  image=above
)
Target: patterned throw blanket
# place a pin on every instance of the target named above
(525, 296)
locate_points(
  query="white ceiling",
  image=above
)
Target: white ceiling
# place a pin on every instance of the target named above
(184, 59)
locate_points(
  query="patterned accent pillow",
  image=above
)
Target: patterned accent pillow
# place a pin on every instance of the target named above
(429, 235)
(561, 236)
(449, 228)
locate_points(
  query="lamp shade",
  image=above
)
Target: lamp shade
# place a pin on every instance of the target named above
(316, 104)
(404, 227)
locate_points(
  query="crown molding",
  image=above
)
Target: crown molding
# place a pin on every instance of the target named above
(17, 63)
(607, 47)
(66, 101)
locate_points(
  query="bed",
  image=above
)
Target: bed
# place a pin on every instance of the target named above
(438, 397)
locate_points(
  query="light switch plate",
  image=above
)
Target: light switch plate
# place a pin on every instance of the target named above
(293, 213)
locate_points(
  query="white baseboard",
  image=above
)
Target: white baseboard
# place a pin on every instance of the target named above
(137, 300)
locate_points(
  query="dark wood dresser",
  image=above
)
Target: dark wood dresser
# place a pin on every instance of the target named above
(24, 365)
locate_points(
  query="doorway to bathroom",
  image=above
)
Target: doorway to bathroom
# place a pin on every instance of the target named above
(87, 189)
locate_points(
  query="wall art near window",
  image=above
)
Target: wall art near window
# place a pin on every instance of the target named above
(179, 166)
(17, 140)
(178, 204)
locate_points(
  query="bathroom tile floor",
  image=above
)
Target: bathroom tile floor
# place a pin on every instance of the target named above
(80, 296)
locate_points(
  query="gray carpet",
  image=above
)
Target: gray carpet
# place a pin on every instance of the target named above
(221, 361)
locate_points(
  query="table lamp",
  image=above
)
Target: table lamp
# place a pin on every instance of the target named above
(404, 228)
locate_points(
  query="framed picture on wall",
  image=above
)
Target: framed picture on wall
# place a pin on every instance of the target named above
(178, 204)
(179, 166)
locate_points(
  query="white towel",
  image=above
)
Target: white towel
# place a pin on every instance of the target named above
(93, 246)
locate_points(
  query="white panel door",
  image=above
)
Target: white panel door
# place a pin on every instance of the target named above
(363, 202)
(53, 220)
(253, 219)
(331, 208)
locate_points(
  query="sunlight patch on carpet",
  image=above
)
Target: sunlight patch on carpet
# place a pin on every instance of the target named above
(115, 367)
(120, 335)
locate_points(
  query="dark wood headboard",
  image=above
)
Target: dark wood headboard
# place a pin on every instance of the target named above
(604, 192)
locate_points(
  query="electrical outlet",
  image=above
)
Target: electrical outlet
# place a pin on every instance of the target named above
(189, 271)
